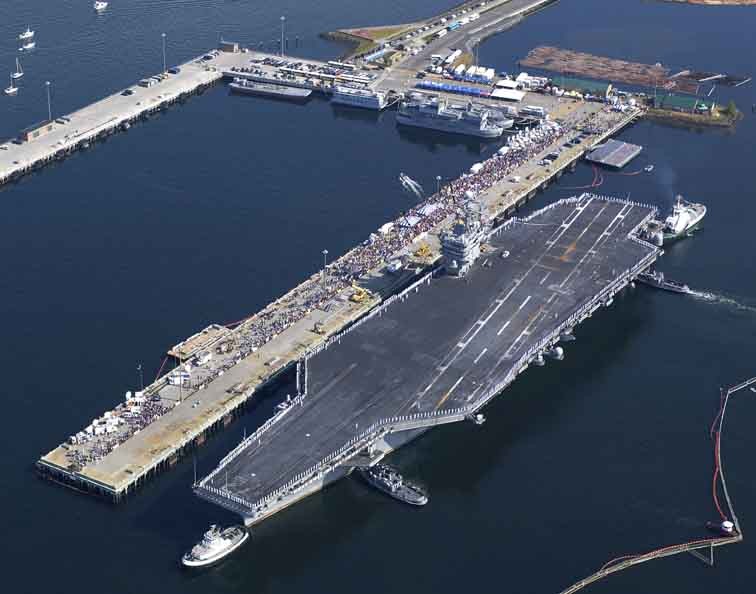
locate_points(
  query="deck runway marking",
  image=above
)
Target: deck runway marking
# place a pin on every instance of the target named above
(449, 392)
(592, 250)
(483, 352)
(543, 280)
(524, 303)
(504, 327)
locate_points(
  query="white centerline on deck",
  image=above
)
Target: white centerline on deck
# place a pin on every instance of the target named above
(504, 327)
(483, 352)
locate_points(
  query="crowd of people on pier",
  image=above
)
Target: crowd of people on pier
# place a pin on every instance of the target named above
(91, 447)
(317, 292)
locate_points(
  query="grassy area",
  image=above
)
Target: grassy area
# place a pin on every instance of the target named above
(720, 117)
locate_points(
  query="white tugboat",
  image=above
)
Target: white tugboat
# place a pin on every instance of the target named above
(684, 218)
(215, 545)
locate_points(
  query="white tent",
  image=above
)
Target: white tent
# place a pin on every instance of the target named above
(508, 95)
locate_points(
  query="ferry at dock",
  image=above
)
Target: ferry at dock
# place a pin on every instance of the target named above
(359, 97)
(250, 87)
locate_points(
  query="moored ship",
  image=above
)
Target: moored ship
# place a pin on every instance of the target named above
(385, 478)
(366, 98)
(437, 114)
(215, 545)
(685, 217)
(250, 87)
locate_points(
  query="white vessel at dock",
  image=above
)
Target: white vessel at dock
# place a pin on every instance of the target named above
(100, 6)
(685, 217)
(359, 97)
(215, 545)
(28, 46)
(28, 34)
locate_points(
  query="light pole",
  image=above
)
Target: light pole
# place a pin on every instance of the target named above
(325, 256)
(49, 105)
(438, 184)
(141, 377)
(164, 65)
(283, 22)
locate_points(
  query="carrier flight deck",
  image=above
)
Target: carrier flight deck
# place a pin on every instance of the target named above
(437, 352)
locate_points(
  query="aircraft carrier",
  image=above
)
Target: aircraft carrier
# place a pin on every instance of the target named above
(440, 350)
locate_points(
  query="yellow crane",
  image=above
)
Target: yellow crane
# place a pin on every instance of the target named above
(359, 294)
(423, 251)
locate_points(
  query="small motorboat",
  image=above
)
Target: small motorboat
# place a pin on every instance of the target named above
(28, 46)
(648, 168)
(28, 34)
(99, 6)
(12, 89)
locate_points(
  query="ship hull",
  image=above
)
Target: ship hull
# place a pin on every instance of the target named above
(197, 563)
(695, 224)
(440, 126)
(337, 100)
(286, 94)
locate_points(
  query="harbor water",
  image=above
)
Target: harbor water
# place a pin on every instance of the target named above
(213, 208)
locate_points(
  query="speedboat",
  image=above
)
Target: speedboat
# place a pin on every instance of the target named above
(28, 34)
(684, 218)
(12, 89)
(19, 71)
(215, 545)
(99, 6)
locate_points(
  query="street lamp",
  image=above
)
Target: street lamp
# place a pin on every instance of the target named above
(325, 256)
(164, 65)
(438, 184)
(49, 106)
(283, 22)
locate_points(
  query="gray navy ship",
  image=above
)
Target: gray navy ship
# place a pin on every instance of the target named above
(251, 87)
(385, 478)
(432, 112)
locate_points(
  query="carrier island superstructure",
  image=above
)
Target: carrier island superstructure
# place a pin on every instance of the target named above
(440, 350)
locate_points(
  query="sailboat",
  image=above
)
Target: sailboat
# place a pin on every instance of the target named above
(28, 34)
(11, 90)
(19, 71)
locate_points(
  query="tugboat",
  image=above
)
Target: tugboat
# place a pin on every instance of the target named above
(215, 545)
(28, 34)
(684, 218)
(385, 478)
(656, 279)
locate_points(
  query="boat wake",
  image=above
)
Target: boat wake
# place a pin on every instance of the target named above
(719, 299)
